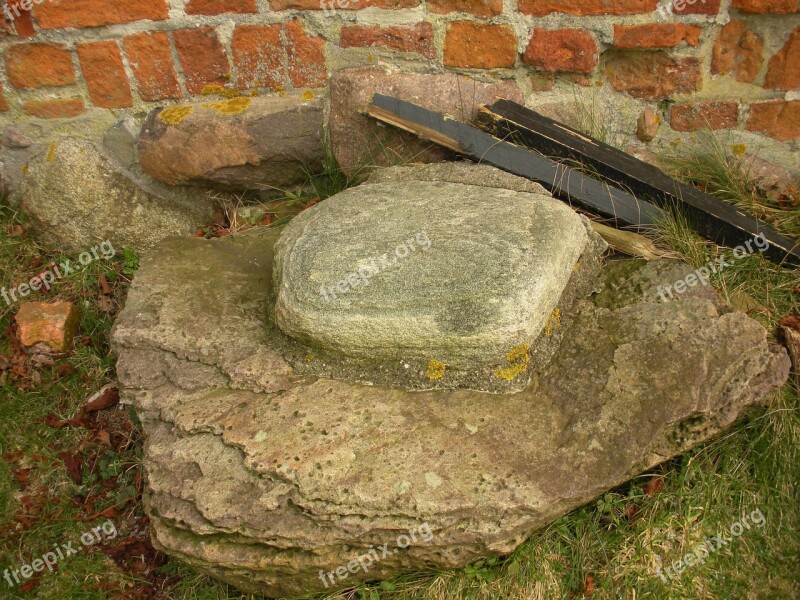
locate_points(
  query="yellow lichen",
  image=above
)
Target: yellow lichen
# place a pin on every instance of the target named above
(175, 114)
(309, 358)
(51, 153)
(308, 95)
(577, 266)
(232, 106)
(218, 90)
(254, 92)
(436, 369)
(739, 149)
(518, 360)
(552, 323)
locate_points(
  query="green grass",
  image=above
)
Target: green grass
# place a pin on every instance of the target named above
(614, 545)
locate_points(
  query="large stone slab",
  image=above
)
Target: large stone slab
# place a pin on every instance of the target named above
(76, 197)
(240, 143)
(359, 141)
(264, 479)
(413, 271)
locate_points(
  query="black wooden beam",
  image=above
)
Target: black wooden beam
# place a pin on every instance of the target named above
(713, 218)
(564, 183)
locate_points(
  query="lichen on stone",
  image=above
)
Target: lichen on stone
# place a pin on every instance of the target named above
(218, 90)
(518, 359)
(175, 114)
(51, 153)
(553, 322)
(308, 95)
(232, 106)
(436, 369)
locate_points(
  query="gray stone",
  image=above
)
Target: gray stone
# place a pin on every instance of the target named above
(120, 142)
(76, 197)
(263, 479)
(13, 137)
(469, 273)
(240, 143)
(359, 141)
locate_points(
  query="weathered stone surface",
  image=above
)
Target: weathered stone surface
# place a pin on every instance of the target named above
(47, 328)
(240, 143)
(647, 125)
(359, 141)
(479, 274)
(263, 480)
(77, 197)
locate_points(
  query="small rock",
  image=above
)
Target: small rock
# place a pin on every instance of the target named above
(647, 125)
(47, 328)
(14, 138)
(120, 141)
(241, 143)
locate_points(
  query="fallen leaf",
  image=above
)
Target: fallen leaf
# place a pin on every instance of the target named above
(53, 421)
(107, 396)
(588, 586)
(64, 369)
(104, 285)
(654, 486)
(73, 464)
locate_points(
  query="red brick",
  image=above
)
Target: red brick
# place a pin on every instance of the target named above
(762, 7)
(306, 57)
(202, 57)
(479, 8)
(22, 22)
(50, 328)
(4, 107)
(540, 8)
(652, 75)
(738, 52)
(478, 46)
(698, 7)
(332, 6)
(258, 55)
(56, 14)
(778, 119)
(59, 108)
(39, 65)
(218, 7)
(569, 50)
(783, 72)
(666, 35)
(150, 58)
(101, 64)
(403, 39)
(704, 115)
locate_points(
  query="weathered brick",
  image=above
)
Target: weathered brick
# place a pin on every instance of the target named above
(150, 58)
(218, 7)
(779, 119)
(652, 75)
(202, 57)
(738, 51)
(58, 108)
(48, 327)
(22, 21)
(306, 57)
(569, 50)
(666, 35)
(479, 8)
(331, 6)
(403, 39)
(704, 115)
(478, 46)
(56, 14)
(695, 7)
(540, 8)
(39, 65)
(783, 71)
(762, 7)
(258, 55)
(101, 64)
(4, 107)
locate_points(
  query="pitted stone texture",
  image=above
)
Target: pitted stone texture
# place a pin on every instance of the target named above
(239, 143)
(496, 264)
(359, 141)
(264, 486)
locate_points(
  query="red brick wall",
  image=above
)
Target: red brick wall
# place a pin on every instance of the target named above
(724, 64)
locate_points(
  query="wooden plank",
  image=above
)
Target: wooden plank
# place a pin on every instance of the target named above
(713, 218)
(563, 182)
